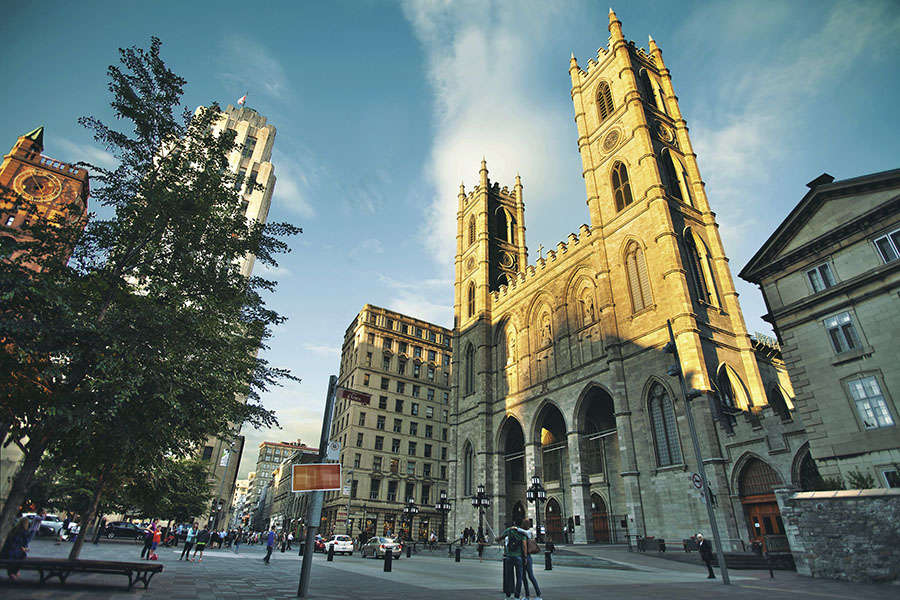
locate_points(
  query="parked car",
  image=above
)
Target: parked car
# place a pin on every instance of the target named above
(379, 546)
(342, 544)
(124, 529)
(49, 526)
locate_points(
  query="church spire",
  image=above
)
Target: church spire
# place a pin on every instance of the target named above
(36, 135)
(483, 172)
(615, 26)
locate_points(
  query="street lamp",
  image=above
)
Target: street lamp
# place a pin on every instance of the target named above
(537, 494)
(409, 511)
(481, 501)
(443, 507)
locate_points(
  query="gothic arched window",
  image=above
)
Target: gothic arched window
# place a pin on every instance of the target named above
(468, 469)
(701, 268)
(604, 101)
(621, 186)
(638, 279)
(778, 403)
(470, 369)
(471, 300)
(731, 389)
(648, 92)
(673, 186)
(665, 429)
(471, 230)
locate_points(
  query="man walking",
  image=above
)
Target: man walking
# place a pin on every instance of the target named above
(189, 543)
(270, 545)
(202, 540)
(705, 548)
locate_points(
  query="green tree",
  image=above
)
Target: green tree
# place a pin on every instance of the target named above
(146, 341)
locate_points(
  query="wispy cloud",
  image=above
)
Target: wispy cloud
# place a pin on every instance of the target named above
(250, 67)
(75, 152)
(366, 247)
(429, 299)
(294, 172)
(322, 349)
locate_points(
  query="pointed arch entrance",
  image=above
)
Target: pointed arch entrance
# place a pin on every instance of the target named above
(553, 520)
(600, 518)
(512, 445)
(756, 487)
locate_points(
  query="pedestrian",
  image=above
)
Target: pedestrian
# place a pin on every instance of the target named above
(16, 546)
(513, 553)
(189, 542)
(481, 549)
(283, 539)
(270, 545)
(531, 547)
(148, 540)
(64, 530)
(704, 546)
(36, 525)
(202, 540)
(290, 539)
(157, 536)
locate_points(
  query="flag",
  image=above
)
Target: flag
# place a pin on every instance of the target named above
(242, 99)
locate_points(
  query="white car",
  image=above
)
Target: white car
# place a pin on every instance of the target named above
(50, 525)
(342, 544)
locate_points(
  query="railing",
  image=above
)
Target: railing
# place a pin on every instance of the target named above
(52, 163)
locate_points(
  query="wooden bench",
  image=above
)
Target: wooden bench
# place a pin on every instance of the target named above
(61, 568)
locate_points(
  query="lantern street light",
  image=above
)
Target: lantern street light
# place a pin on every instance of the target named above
(537, 494)
(443, 507)
(409, 511)
(481, 501)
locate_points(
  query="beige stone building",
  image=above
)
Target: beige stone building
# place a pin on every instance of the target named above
(395, 436)
(558, 365)
(830, 275)
(251, 161)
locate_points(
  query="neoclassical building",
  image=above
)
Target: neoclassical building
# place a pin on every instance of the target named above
(558, 366)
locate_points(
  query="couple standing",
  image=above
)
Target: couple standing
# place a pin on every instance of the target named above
(517, 563)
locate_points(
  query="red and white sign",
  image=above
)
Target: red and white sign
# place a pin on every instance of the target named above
(355, 396)
(697, 480)
(316, 477)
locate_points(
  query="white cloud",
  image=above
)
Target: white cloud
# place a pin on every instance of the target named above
(366, 248)
(322, 349)
(251, 69)
(74, 152)
(429, 299)
(270, 272)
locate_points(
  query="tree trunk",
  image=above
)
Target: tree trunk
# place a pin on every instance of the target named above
(20, 484)
(87, 519)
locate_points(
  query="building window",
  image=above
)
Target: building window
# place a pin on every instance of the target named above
(379, 442)
(430, 373)
(621, 187)
(443, 471)
(395, 445)
(432, 336)
(416, 370)
(891, 478)
(444, 453)
(842, 332)
(471, 230)
(889, 246)
(404, 328)
(426, 469)
(426, 494)
(415, 393)
(374, 489)
(417, 351)
(395, 465)
(362, 419)
(638, 279)
(604, 101)
(444, 434)
(359, 440)
(357, 459)
(249, 146)
(368, 359)
(432, 355)
(413, 428)
(430, 394)
(470, 369)
(412, 449)
(731, 388)
(380, 423)
(354, 488)
(376, 463)
(446, 397)
(820, 278)
(429, 431)
(386, 363)
(429, 412)
(701, 268)
(410, 490)
(401, 387)
(419, 333)
(870, 404)
(414, 409)
(392, 491)
(385, 382)
(445, 360)
(471, 304)
(401, 367)
(388, 343)
(398, 426)
(665, 431)
(389, 323)
(382, 402)
(410, 467)
(398, 405)
(207, 452)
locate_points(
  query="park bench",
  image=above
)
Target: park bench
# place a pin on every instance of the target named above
(61, 568)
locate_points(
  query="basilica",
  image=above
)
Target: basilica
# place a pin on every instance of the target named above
(558, 367)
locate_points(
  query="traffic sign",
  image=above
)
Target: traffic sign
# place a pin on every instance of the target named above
(318, 476)
(697, 481)
(333, 451)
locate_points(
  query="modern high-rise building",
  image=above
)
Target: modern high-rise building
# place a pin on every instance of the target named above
(392, 420)
(251, 161)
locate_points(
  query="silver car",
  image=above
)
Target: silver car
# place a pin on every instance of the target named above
(379, 546)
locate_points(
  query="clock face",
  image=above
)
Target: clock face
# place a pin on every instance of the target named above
(37, 186)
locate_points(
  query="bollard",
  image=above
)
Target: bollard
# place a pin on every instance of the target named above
(408, 551)
(330, 553)
(458, 554)
(548, 561)
(388, 558)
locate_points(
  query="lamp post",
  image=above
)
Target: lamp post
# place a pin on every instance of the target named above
(409, 511)
(443, 507)
(537, 494)
(481, 501)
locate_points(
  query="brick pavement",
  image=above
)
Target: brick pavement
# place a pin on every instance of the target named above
(224, 575)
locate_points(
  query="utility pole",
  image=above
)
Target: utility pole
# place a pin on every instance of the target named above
(314, 512)
(676, 371)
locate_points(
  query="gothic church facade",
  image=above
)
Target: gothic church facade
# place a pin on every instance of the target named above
(558, 366)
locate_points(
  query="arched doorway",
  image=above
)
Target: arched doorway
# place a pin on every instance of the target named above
(553, 521)
(597, 430)
(600, 518)
(512, 442)
(551, 431)
(756, 487)
(518, 512)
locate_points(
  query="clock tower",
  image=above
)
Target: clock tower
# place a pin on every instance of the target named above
(36, 187)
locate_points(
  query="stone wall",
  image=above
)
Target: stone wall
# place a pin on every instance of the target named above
(852, 535)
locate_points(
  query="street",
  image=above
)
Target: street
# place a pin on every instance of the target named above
(226, 575)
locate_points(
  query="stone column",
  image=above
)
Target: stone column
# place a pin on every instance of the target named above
(580, 491)
(533, 465)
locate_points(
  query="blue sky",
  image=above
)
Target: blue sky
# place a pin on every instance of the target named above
(382, 108)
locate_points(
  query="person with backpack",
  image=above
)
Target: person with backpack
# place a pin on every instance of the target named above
(513, 559)
(202, 540)
(531, 547)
